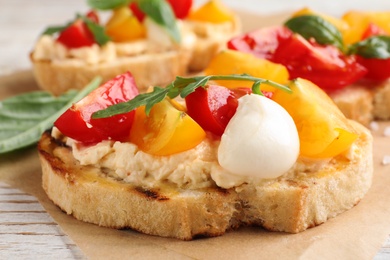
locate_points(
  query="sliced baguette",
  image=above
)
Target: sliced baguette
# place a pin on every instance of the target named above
(289, 204)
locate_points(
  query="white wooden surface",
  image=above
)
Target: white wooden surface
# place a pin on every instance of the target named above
(26, 230)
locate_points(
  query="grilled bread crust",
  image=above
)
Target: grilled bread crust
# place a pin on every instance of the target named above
(285, 204)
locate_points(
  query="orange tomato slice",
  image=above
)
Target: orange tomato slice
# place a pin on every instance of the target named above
(358, 22)
(323, 130)
(166, 130)
(235, 62)
(213, 11)
(123, 26)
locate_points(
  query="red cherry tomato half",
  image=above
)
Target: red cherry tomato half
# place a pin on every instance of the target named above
(93, 16)
(76, 122)
(378, 69)
(181, 8)
(325, 66)
(372, 30)
(136, 11)
(261, 43)
(213, 107)
(76, 35)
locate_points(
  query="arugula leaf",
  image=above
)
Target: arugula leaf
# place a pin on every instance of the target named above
(25, 117)
(183, 87)
(313, 26)
(107, 4)
(375, 47)
(161, 12)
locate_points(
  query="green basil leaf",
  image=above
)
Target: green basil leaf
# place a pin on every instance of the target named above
(55, 29)
(106, 4)
(97, 30)
(161, 13)
(25, 117)
(313, 26)
(375, 47)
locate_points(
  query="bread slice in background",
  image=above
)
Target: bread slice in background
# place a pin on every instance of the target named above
(292, 203)
(364, 102)
(147, 69)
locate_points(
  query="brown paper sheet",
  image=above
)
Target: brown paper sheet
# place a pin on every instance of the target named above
(355, 234)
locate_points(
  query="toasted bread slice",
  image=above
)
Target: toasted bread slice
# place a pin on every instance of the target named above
(292, 203)
(147, 69)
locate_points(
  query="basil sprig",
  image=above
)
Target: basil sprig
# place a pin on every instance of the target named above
(23, 118)
(97, 30)
(376, 47)
(55, 29)
(314, 26)
(183, 87)
(161, 13)
(107, 4)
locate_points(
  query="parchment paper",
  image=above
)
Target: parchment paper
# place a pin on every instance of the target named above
(355, 234)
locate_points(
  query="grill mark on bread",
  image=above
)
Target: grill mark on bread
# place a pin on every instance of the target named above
(151, 194)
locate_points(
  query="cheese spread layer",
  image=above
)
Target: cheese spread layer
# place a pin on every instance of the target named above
(193, 169)
(157, 41)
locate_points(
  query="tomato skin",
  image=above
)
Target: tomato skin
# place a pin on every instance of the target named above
(378, 69)
(261, 43)
(77, 35)
(372, 30)
(93, 16)
(136, 11)
(181, 8)
(213, 107)
(326, 66)
(77, 123)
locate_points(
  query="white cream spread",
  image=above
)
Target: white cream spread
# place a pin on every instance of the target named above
(190, 169)
(157, 40)
(261, 140)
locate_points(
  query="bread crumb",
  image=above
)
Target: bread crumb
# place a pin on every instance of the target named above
(386, 160)
(374, 126)
(387, 131)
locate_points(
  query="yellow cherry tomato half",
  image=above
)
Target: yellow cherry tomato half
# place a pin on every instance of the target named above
(167, 130)
(213, 11)
(123, 26)
(235, 62)
(358, 22)
(323, 130)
